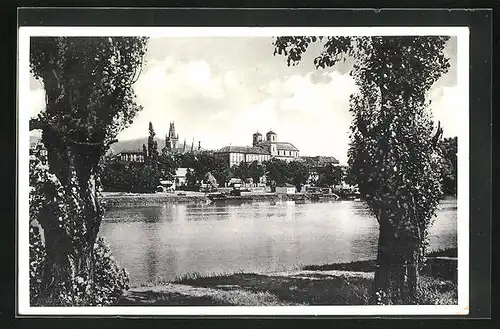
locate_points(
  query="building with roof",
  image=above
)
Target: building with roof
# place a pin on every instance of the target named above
(131, 156)
(234, 155)
(281, 150)
(286, 189)
(315, 163)
(261, 150)
(319, 161)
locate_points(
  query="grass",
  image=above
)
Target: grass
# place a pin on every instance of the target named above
(448, 252)
(437, 285)
(295, 291)
(357, 266)
(435, 267)
(434, 291)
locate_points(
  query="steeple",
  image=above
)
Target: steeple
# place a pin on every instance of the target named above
(257, 138)
(173, 138)
(272, 139)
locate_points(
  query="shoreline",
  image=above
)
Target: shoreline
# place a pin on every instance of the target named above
(123, 199)
(328, 284)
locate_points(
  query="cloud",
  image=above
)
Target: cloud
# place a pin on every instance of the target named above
(221, 90)
(36, 101)
(445, 106)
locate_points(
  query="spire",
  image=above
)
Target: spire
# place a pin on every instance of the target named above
(192, 145)
(199, 145)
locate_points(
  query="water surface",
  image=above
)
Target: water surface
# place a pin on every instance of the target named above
(164, 242)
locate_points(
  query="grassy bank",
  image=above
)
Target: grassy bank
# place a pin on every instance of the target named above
(328, 284)
(440, 264)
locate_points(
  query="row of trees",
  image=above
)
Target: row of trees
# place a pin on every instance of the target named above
(205, 167)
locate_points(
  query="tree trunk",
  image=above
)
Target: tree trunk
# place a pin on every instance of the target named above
(398, 262)
(70, 246)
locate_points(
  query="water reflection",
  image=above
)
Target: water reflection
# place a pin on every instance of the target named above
(171, 240)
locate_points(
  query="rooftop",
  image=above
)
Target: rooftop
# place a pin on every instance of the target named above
(319, 160)
(242, 149)
(282, 146)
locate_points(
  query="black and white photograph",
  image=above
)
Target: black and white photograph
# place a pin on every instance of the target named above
(243, 171)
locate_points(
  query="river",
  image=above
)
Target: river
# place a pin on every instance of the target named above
(166, 241)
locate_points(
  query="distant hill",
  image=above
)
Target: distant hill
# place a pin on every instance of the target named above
(124, 145)
(136, 145)
(133, 145)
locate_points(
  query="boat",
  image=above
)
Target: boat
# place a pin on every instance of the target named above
(322, 196)
(223, 197)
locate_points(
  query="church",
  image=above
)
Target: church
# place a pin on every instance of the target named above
(261, 150)
(172, 142)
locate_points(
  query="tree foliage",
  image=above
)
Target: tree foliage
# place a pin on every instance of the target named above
(279, 172)
(330, 175)
(89, 99)
(276, 171)
(242, 170)
(448, 148)
(392, 155)
(298, 174)
(256, 171)
(152, 146)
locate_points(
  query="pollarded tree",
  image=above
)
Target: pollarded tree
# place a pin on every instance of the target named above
(88, 100)
(393, 152)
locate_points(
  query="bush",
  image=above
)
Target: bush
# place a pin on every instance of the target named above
(109, 279)
(37, 256)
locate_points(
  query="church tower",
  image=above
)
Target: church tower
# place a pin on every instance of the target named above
(172, 139)
(257, 139)
(272, 139)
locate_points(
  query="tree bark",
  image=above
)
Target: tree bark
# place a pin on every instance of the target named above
(70, 247)
(398, 263)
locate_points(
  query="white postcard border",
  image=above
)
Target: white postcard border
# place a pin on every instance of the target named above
(23, 304)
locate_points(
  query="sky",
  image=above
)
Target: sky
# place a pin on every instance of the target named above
(220, 91)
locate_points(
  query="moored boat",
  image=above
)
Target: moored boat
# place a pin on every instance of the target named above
(222, 197)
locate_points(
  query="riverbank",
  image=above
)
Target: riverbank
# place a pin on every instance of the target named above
(328, 284)
(121, 199)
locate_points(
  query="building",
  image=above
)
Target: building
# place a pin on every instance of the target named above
(172, 144)
(180, 177)
(234, 155)
(172, 139)
(131, 156)
(281, 150)
(261, 150)
(286, 189)
(317, 162)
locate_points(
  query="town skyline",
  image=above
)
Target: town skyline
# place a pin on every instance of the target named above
(220, 91)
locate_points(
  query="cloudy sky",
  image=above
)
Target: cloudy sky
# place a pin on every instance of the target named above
(221, 90)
